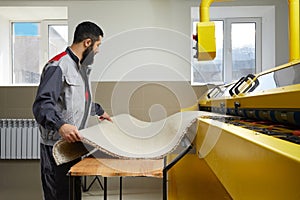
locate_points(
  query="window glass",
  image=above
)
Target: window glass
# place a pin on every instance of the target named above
(26, 52)
(243, 49)
(210, 71)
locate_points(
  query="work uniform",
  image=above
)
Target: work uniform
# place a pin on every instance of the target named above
(63, 96)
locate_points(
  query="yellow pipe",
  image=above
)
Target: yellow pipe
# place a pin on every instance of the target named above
(294, 29)
(204, 10)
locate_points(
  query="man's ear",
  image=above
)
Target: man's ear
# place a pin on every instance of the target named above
(87, 42)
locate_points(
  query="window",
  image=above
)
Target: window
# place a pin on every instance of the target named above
(29, 40)
(239, 47)
(240, 38)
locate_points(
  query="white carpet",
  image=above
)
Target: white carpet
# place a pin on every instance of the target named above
(128, 137)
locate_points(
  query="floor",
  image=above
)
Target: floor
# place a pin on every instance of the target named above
(133, 188)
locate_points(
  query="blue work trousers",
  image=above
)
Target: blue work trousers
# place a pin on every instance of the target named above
(54, 177)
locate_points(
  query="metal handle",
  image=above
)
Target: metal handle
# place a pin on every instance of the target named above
(250, 86)
(215, 88)
(238, 82)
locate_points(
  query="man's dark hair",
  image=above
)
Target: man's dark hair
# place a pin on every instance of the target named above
(87, 30)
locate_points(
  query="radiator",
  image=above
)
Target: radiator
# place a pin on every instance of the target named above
(19, 139)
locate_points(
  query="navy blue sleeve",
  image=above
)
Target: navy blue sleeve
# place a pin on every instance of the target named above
(44, 106)
(96, 109)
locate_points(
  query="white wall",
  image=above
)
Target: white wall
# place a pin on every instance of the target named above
(4, 52)
(150, 39)
(144, 40)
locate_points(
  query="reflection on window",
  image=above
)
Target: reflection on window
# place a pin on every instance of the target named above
(280, 78)
(57, 40)
(243, 49)
(287, 76)
(210, 71)
(26, 48)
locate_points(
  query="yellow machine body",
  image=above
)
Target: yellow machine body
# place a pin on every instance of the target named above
(237, 161)
(248, 164)
(206, 41)
(232, 162)
(192, 179)
(284, 97)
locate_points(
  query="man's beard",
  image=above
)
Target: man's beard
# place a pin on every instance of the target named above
(88, 56)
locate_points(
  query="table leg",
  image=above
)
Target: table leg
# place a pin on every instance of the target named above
(105, 188)
(120, 188)
(84, 184)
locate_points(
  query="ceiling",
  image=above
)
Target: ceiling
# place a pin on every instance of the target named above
(33, 13)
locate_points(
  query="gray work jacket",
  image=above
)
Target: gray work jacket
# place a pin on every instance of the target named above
(63, 96)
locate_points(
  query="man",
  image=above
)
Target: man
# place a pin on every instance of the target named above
(63, 104)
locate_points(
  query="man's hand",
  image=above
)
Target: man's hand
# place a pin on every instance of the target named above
(69, 133)
(105, 116)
